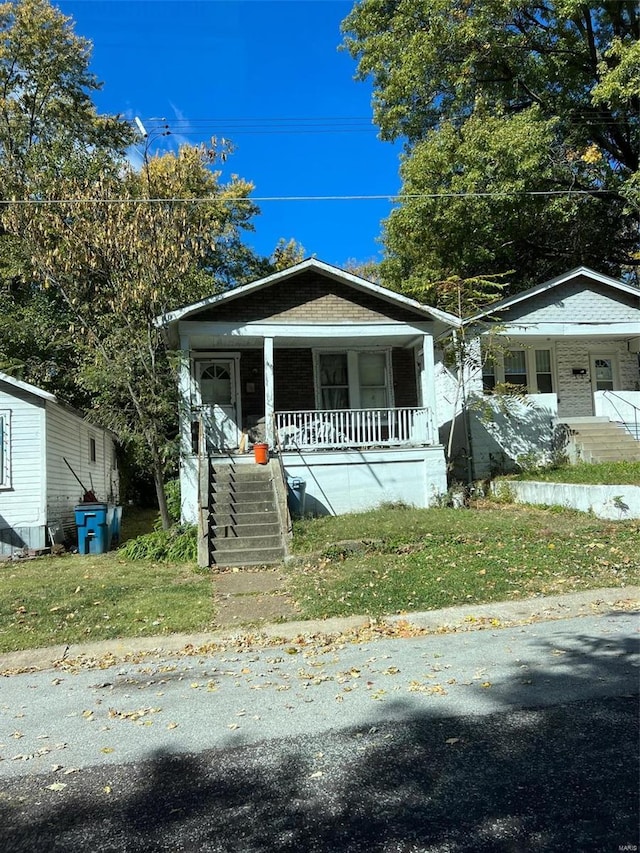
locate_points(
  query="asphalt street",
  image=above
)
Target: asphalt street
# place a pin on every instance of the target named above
(513, 739)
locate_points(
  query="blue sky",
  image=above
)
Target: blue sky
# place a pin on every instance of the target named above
(268, 75)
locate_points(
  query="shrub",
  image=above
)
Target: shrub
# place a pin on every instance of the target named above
(179, 544)
(172, 492)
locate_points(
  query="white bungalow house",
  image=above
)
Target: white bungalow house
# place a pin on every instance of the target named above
(335, 374)
(44, 447)
(571, 345)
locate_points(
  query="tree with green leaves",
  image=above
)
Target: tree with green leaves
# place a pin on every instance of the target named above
(92, 249)
(121, 246)
(46, 118)
(522, 123)
(45, 93)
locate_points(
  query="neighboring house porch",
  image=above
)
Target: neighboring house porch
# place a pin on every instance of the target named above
(571, 345)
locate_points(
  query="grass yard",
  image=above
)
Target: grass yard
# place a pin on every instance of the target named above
(406, 559)
(73, 598)
(588, 473)
(387, 561)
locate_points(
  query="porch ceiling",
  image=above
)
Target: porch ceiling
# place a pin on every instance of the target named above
(565, 331)
(201, 336)
(339, 338)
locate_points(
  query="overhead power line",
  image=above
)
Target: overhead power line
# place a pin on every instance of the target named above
(396, 197)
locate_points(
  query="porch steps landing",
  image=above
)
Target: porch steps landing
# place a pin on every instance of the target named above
(243, 521)
(597, 439)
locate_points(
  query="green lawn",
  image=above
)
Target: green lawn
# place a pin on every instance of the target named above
(387, 561)
(412, 559)
(73, 598)
(588, 473)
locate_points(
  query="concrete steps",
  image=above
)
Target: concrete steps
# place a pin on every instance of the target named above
(600, 440)
(243, 521)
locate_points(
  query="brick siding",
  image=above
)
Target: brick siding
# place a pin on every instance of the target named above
(309, 298)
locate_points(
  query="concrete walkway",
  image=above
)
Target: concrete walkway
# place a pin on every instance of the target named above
(449, 620)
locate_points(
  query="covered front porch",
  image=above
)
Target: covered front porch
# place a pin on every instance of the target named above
(275, 391)
(334, 394)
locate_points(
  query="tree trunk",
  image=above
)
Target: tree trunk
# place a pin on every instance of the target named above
(158, 479)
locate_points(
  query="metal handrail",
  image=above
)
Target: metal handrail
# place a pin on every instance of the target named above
(636, 411)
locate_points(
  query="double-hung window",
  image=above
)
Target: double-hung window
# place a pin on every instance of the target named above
(5, 449)
(527, 368)
(353, 379)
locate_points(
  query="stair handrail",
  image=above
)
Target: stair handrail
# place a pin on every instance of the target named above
(277, 452)
(636, 411)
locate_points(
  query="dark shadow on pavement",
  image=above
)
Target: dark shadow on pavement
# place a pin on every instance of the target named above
(556, 778)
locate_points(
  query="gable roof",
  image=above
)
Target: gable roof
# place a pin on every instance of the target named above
(314, 265)
(25, 386)
(559, 280)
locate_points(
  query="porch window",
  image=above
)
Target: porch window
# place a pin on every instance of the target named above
(544, 380)
(372, 372)
(531, 369)
(353, 379)
(515, 367)
(5, 449)
(334, 380)
(488, 375)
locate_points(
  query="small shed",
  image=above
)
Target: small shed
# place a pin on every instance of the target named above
(45, 449)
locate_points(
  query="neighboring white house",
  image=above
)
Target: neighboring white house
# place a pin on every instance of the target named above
(571, 344)
(335, 373)
(38, 491)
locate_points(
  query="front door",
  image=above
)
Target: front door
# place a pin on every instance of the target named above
(602, 373)
(217, 393)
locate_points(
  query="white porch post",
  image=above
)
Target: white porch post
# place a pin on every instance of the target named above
(268, 392)
(184, 395)
(428, 387)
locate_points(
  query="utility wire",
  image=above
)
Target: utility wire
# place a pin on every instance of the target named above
(396, 197)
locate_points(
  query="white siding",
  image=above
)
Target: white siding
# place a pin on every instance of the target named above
(68, 437)
(22, 508)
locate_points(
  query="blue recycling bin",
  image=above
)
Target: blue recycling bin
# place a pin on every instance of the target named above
(93, 530)
(296, 493)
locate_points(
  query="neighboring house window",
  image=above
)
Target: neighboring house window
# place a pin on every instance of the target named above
(353, 379)
(488, 375)
(515, 367)
(5, 449)
(531, 369)
(92, 449)
(544, 379)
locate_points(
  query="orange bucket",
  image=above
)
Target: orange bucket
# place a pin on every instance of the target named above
(261, 453)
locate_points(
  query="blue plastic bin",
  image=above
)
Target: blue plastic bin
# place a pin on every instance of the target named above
(93, 530)
(296, 492)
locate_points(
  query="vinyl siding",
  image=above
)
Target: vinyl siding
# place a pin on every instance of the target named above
(22, 510)
(68, 437)
(579, 301)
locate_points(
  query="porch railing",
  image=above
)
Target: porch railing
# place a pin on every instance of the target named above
(353, 428)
